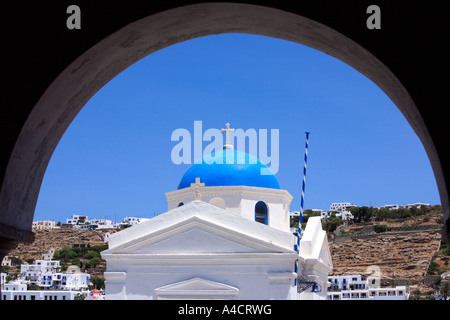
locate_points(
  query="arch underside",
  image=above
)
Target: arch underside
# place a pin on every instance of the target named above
(72, 89)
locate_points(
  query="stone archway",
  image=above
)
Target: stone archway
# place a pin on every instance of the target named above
(71, 90)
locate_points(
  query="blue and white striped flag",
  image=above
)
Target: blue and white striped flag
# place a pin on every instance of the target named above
(303, 191)
(299, 230)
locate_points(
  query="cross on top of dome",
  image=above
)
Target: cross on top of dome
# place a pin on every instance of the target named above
(227, 131)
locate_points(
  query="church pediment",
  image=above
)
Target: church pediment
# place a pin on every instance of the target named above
(197, 288)
(195, 236)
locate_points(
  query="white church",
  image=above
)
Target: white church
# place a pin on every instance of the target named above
(226, 235)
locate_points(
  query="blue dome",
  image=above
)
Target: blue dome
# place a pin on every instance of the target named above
(242, 169)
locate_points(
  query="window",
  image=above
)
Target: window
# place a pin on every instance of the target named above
(180, 204)
(261, 212)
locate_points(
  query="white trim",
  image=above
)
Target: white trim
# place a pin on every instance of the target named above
(196, 288)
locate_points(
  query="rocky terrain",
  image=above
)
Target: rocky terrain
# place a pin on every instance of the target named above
(57, 239)
(403, 258)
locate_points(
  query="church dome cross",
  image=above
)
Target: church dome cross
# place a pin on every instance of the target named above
(227, 131)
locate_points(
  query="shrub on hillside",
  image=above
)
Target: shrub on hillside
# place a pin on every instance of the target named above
(381, 228)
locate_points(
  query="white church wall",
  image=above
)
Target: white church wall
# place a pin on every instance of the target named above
(247, 208)
(201, 241)
(267, 277)
(240, 200)
(278, 216)
(115, 285)
(276, 212)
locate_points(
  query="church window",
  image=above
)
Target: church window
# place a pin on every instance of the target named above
(261, 212)
(180, 204)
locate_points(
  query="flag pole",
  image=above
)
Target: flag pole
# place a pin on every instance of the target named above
(299, 230)
(303, 189)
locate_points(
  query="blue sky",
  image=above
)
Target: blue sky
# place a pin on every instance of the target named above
(115, 158)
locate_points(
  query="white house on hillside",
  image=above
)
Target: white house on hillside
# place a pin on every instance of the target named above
(76, 219)
(340, 206)
(358, 287)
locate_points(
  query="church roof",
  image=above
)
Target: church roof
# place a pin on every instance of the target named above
(199, 220)
(230, 167)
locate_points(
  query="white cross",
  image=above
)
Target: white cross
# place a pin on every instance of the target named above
(227, 131)
(196, 186)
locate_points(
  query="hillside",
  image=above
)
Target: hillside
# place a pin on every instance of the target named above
(57, 239)
(407, 252)
(403, 257)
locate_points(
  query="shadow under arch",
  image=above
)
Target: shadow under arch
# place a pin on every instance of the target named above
(72, 89)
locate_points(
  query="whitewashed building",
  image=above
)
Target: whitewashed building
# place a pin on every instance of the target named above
(6, 261)
(43, 225)
(132, 221)
(390, 206)
(344, 215)
(340, 206)
(65, 281)
(225, 235)
(77, 219)
(2, 280)
(15, 286)
(417, 205)
(46, 274)
(325, 215)
(49, 254)
(39, 267)
(359, 287)
(37, 295)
